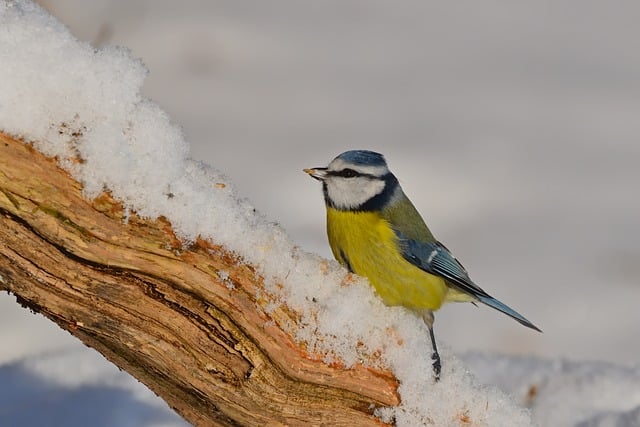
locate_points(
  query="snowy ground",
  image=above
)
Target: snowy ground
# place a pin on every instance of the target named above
(512, 127)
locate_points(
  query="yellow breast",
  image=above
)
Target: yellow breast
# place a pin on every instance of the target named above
(365, 243)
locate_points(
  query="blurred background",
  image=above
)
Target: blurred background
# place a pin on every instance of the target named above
(513, 127)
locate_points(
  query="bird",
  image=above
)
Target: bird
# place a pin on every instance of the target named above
(375, 231)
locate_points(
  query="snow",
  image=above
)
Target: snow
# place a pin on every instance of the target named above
(88, 104)
(92, 394)
(593, 393)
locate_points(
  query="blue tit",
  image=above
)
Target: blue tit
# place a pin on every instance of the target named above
(375, 231)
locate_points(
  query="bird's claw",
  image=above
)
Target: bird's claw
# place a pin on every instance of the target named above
(436, 366)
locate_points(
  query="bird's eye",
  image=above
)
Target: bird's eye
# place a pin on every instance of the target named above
(348, 173)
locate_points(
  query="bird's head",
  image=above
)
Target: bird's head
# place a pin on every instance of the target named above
(356, 180)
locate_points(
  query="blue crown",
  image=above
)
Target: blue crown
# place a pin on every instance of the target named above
(363, 157)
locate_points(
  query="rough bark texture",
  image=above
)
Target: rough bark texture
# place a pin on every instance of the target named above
(162, 312)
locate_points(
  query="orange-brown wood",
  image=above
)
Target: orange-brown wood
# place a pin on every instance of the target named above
(165, 313)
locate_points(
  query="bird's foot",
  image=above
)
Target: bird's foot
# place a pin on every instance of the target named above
(435, 357)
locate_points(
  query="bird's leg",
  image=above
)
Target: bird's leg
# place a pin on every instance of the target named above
(428, 318)
(435, 357)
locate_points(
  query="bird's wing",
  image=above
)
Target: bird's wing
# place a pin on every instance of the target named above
(435, 258)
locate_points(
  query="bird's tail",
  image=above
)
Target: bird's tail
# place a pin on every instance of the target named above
(494, 303)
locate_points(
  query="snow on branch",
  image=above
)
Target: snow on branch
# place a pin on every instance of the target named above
(183, 320)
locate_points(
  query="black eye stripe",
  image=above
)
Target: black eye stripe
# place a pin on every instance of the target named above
(346, 173)
(350, 173)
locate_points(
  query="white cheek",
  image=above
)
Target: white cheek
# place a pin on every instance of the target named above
(349, 193)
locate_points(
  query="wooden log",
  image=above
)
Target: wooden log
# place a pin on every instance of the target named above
(185, 321)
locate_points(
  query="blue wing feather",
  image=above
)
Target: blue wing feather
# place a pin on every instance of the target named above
(436, 259)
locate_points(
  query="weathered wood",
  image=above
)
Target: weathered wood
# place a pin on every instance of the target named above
(167, 314)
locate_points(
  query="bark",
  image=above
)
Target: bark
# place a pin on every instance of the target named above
(165, 313)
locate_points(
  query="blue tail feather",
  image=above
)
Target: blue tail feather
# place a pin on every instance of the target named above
(494, 303)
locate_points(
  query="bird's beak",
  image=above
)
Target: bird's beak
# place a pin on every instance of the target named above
(318, 173)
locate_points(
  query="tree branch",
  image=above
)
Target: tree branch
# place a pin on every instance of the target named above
(166, 314)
